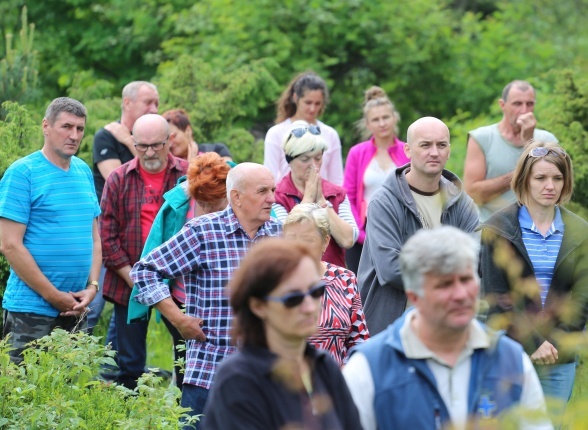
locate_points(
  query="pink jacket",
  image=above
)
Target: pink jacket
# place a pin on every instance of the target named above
(358, 159)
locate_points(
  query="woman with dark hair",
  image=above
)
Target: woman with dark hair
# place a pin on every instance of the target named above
(534, 267)
(202, 191)
(276, 380)
(304, 99)
(304, 150)
(370, 162)
(182, 143)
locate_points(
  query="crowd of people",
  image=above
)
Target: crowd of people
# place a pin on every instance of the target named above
(309, 295)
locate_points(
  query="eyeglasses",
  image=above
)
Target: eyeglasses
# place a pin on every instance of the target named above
(142, 147)
(312, 129)
(542, 151)
(294, 299)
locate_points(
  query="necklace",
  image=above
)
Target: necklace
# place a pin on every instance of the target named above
(307, 382)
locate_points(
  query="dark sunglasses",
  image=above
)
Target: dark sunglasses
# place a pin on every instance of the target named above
(294, 299)
(541, 151)
(312, 129)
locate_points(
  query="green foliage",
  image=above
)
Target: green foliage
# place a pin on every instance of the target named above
(19, 135)
(55, 387)
(18, 68)
(219, 100)
(102, 107)
(565, 113)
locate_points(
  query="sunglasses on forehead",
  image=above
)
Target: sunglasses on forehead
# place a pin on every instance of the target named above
(542, 151)
(312, 129)
(294, 299)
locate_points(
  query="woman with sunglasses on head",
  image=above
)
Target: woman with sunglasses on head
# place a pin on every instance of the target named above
(304, 99)
(277, 380)
(304, 148)
(182, 143)
(370, 162)
(534, 267)
(341, 323)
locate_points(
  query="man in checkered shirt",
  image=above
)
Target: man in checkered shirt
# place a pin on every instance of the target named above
(206, 252)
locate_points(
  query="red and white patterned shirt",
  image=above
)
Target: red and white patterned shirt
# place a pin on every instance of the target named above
(342, 323)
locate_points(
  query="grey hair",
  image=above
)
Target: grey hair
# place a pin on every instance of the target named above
(296, 146)
(313, 213)
(444, 250)
(132, 88)
(236, 177)
(521, 85)
(64, 104)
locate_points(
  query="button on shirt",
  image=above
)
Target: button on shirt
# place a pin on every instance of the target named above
(542, 250)
(205, 252)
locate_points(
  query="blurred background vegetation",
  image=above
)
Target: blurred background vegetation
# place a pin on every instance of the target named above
(226, 63)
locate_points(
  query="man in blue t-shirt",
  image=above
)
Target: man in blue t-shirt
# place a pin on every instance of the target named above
(49, 232)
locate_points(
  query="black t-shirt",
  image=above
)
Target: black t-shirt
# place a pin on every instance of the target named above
(220, 148)
(106, 147)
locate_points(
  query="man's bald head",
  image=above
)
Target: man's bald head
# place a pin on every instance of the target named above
(151, 135)
(424, 124)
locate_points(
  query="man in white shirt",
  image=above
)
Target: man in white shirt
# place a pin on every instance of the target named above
(437, 365)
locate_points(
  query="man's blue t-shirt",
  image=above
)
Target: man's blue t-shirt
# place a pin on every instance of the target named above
(58, 208)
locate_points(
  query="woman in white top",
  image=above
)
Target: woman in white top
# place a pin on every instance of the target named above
(305, 99)
(370, 162)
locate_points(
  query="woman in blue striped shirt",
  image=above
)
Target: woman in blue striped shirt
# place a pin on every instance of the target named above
(534, 267)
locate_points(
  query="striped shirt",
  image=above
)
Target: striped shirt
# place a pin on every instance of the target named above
(58, 208)
(344, 213)
(206, 252)
(542, 250)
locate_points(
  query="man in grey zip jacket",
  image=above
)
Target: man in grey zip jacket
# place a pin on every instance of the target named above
(421, 194)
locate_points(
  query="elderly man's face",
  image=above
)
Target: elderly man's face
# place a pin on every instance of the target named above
(257, 196)
(449, 301)
(152, 152)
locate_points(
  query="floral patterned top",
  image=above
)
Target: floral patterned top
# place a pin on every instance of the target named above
(342, 322)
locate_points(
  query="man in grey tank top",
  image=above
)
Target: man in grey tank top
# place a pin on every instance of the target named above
(493, 150)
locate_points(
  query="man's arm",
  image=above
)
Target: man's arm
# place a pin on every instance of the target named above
(189, 327)
(123, 135)
(24, 265)
(384, 237)
(480, 189)
(114, 256)
(104, 152)
(107, 166)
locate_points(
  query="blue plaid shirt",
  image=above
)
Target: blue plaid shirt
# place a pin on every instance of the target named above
(205, 252)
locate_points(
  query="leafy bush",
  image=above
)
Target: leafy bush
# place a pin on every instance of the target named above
(18, 69)
(566, 115)
(55, 387)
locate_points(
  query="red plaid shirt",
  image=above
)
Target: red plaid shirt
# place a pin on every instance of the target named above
(120, 222)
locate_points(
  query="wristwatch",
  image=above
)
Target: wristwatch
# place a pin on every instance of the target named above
(95, 284)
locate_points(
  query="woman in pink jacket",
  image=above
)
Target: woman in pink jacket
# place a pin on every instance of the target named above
(370, 162)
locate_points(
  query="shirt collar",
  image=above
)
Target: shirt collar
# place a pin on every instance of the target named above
(414, 348)
(526, 221)
(233, 223)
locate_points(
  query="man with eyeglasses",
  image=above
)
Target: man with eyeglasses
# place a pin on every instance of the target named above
(132, 197)
(493, 150)
(114, 146)
(206, 252)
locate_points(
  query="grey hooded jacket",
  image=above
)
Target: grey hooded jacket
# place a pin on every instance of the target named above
(392, 218)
